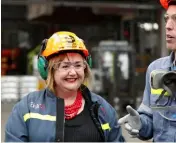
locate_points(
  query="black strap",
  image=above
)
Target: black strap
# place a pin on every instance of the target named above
(60, 120)
(161, 96)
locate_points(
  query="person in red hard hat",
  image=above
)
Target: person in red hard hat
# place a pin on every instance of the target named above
(156, 116)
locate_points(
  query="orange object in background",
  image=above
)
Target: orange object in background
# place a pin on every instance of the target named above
(9, 60)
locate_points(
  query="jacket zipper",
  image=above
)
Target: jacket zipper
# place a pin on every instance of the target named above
(94, 109)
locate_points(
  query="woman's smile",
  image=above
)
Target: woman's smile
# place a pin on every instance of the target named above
(71, 80)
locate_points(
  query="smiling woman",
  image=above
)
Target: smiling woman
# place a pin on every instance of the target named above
(70, 65)
(70, 110)
(69, 77)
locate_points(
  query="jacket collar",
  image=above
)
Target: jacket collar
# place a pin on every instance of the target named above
(172, 57)
(88, 96)
(168, 64)
(172, 61)
(49, 93)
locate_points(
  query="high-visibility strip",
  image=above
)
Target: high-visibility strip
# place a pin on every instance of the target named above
(39, 116)
(105, 126)
(158, 92)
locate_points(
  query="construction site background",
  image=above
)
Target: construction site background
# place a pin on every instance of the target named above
(123, 37)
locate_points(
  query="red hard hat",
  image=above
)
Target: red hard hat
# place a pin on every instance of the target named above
(165, 3)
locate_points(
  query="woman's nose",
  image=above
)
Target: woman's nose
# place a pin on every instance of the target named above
(72, 70)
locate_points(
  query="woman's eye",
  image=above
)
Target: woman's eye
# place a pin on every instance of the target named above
(64, 66)
(78, 65)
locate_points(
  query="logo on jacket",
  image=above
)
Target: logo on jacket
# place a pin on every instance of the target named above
(37, 106)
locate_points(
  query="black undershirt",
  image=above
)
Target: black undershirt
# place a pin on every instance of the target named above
(81, 128)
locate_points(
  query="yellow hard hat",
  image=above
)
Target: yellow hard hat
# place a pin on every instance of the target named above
(63, 41)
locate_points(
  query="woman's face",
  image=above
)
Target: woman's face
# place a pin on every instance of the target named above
(69, 73)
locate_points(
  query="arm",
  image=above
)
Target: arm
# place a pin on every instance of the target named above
(16, 129)
(140, 124)
(146, 116)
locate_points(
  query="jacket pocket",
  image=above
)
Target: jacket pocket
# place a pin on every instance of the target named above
(158, 120)
(164, 128)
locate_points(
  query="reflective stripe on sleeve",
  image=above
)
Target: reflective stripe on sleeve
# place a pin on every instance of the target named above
(39, 116)
(105, 126)
(158, 92)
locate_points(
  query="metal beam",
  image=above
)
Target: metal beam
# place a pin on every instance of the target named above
(125, 5)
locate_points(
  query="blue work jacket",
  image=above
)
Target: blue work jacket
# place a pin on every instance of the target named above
(154, 124)
(33, 119)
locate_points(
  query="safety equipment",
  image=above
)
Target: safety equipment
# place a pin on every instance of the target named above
(42, 62)
(59, 42)
(155, 78)
(166, 3)
(132, 121)
(166, 80)
(169, 80)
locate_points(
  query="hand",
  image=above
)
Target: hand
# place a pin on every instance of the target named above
(132, 121)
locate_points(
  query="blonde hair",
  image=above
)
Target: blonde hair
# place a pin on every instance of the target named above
(50, 78)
